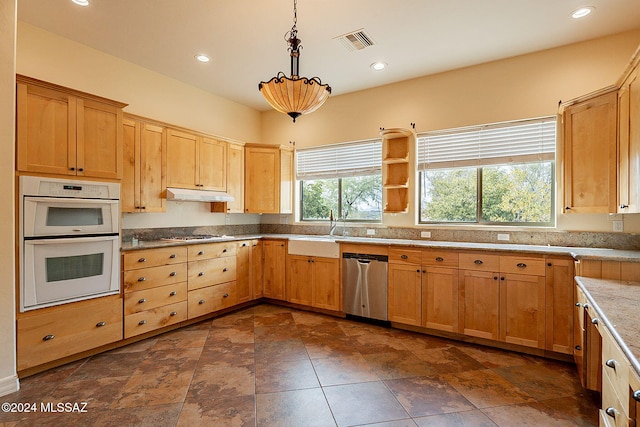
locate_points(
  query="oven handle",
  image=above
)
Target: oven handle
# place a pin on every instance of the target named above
(79, 239)
(71, 200)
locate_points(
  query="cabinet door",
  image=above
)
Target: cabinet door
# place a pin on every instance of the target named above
(212, 164)
(629, 145)
(153, 165)
(326, 284)
(244, 286)
(262, 180)
(560, 305)
(99, 140)
(130, 186)
(235, 178)
(299, 279)
(46, 130)
(480, 300)
(286, 181)
(256, 268)
(522, 310)
(440, 298)
(181, 159)
(404, 294)
(274, 269)
(590, 155)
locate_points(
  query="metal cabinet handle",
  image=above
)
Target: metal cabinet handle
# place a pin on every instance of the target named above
(142, 322)
(439, 259)
(567, 208)
(478, 262)
(578, 348)
(224, 269)
(172, 274)
(224, 250)
(418, 271)
(172, 256)
(201, 302)
(80, 169)
(225, 295)
(611, 411)
(611, 363)
(624, 206)
(585, 305)
(502, 278)
(142, 300)
(404, 256)
(173, 313)
(636, 395)
(549, 264)
(48, 337)
(142, 279)
(173, 293)
(595, 321)
(201, 253)
(578, 304)
(142, 260)
(100, 324)
(201, 273)
(244, 244)
(495, 277)
(521, 265)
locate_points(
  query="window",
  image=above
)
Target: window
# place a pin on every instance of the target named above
(343, 179)
(495, 174)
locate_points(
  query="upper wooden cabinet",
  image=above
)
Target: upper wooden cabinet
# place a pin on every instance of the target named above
(268, 179)
(629, 144)
(144, 174)
(590, 178)
(235, 178)
(65, 132)
(396, 169)
(195, 161)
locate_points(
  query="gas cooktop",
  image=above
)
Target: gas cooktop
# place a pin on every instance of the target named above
(196, 237)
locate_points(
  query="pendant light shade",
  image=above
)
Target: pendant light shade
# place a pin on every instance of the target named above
(294, 95)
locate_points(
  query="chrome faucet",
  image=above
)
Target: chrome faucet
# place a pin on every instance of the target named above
(332, 223)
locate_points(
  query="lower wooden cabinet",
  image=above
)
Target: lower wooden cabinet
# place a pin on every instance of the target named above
(155, 318)
(314, 281)
(68, 329)
(257, 270)
(244, 273)
(522, 310)
(440, 298)
(274, 255)
(479, 304)
(404, 298)
(560, 305)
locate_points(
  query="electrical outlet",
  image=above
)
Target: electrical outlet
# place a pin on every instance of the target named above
(425, 234)
(226, 219)
(618, 226)
(371, 232)
(503, 236)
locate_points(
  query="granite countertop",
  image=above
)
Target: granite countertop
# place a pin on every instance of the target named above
(616, 303)
(576, 253)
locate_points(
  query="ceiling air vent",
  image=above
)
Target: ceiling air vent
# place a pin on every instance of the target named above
(356, 40)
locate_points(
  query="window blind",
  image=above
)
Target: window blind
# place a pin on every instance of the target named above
(339, 160)
(501, 143)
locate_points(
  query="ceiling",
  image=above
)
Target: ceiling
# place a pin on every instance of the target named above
(245, 38)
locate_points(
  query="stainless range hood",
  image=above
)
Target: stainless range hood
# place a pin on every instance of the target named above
(186, 195)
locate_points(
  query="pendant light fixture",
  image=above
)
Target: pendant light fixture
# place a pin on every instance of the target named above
(294, 95)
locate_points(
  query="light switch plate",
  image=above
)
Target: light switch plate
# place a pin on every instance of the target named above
(425, 234)
(503, 236)
(371, 232)
(618, 226)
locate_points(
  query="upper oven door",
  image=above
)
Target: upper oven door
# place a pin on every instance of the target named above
(46, 216)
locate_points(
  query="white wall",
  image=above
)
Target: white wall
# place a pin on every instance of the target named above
(521, 87)
(8, 377)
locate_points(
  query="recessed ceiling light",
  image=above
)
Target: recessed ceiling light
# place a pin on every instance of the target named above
(378, 66)
(202, 57)
(582, 12)
(81, 2)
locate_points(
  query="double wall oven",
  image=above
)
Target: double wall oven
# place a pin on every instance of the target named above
(69, 240)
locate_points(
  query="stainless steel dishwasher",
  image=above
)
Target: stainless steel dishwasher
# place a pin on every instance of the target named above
(364, 284)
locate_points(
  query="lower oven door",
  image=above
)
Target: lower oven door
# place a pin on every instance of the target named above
(57, 271)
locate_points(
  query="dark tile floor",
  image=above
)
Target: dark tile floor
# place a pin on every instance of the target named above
(275, 366)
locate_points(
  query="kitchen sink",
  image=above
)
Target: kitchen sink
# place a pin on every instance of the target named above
(322, 246)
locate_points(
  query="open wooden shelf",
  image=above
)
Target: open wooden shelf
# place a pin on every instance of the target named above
(396, 169)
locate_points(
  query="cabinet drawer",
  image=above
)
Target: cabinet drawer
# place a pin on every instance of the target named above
(211, 272)
(154, 257)
(69, 329)
(614, 412)
(616, 366)
(137, 280)
(211, 250)
(147, 299)
(522, 265)
(149, 320)
(212, 298)
(439, 258)
(479, 261)
(405, 256)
